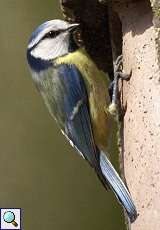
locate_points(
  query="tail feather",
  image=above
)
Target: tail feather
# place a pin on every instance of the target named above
(116, 184)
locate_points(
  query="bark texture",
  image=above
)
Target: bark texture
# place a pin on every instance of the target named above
(133, 27)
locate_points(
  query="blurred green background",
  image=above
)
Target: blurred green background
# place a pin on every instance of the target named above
(39, 171)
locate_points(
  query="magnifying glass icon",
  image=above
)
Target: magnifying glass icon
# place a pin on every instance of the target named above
(9, 218)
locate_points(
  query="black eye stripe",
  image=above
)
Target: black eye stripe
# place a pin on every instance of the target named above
(52, 34)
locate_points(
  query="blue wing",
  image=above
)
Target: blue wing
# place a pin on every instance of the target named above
(77, 116)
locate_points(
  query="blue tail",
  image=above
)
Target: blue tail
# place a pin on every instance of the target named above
(118, 187)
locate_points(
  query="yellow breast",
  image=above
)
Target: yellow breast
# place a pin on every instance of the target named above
(97, 88)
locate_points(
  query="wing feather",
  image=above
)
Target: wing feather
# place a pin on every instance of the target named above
(78, 126)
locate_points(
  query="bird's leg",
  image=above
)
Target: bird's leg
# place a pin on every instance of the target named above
(113, 88)
(118, 67)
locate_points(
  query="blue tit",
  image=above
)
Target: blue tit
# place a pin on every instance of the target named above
(75, 92)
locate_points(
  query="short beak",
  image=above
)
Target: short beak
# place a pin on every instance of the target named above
(73, 26)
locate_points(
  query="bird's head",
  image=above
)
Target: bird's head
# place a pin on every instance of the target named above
(50, 40)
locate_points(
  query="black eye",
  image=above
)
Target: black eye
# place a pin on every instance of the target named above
(51, 34)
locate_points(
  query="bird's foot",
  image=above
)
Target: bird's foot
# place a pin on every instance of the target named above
(113, 88)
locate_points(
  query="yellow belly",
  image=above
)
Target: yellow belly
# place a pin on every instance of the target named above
(97, 88)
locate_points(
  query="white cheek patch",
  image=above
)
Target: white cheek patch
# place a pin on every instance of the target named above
(51, 48)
